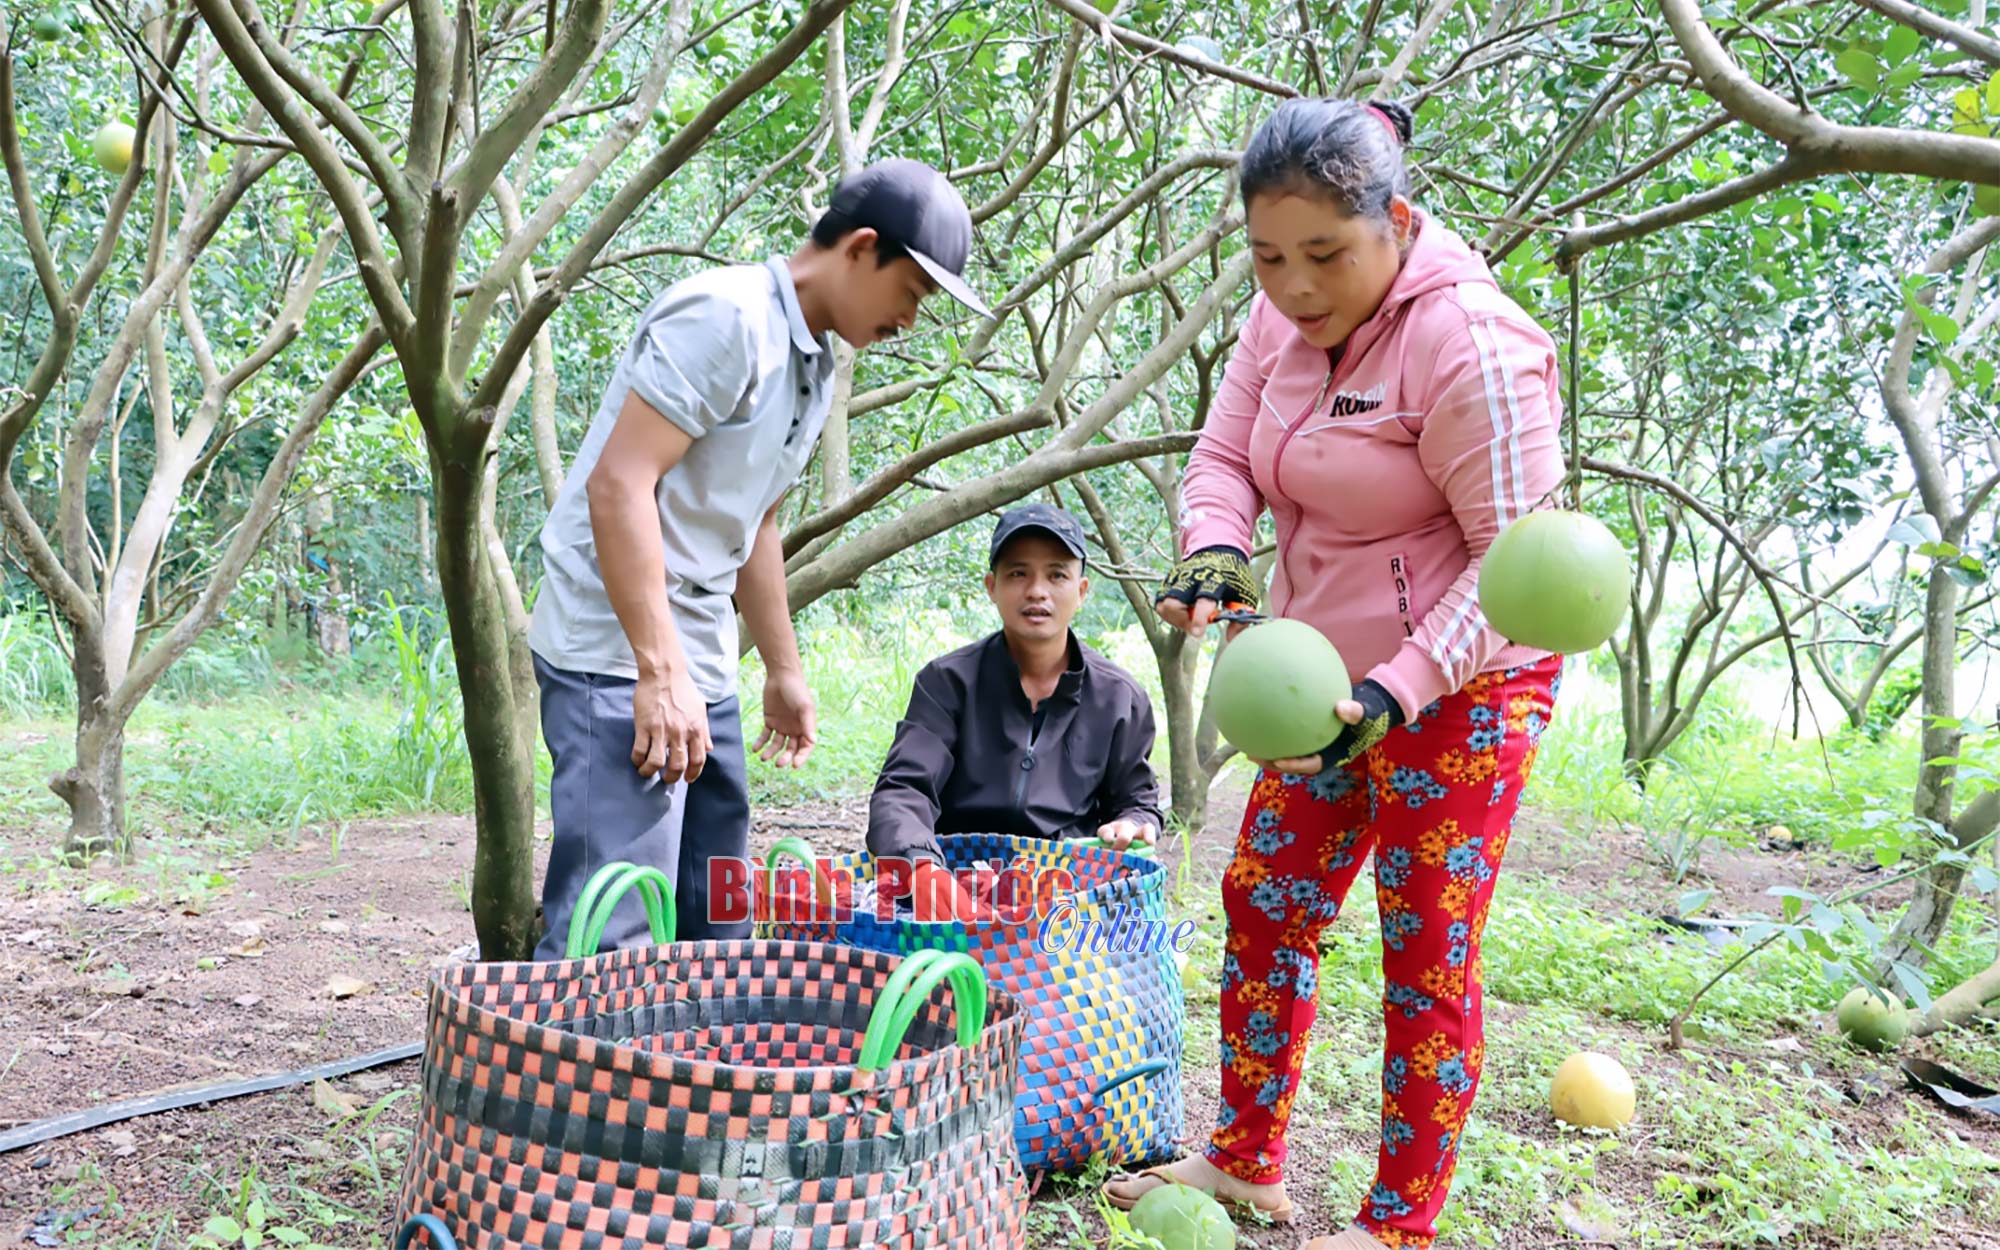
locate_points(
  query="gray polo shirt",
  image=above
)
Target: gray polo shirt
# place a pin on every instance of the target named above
(727, 356)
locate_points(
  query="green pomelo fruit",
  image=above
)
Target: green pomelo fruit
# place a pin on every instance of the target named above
(1872, 1020)
(1556, 581)
(1181, 1217)
(1274, 689)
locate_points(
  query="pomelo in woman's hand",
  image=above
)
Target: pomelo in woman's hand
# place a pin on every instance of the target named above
(1181, 1217)
(1273, 690)
(1871, 1019)
(1593, 1091)
(1556, 581)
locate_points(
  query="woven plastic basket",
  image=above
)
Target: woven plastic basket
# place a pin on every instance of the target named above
(1101, 1057)
(755, 1095)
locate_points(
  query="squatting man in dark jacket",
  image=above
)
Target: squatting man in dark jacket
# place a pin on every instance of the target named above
(1026, 731)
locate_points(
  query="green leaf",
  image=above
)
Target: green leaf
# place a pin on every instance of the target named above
(1902, 76)
(254, 1215)
(1861, 67)
(1692, 901)
(289, 1236)
(1968, 112)
(1912, 531)
(1913, 985)
(1993, 94)
(1943, 326)
(223, 1229)
(1901, 45)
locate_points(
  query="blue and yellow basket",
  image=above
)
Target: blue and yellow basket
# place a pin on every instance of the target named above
(1100, 1070)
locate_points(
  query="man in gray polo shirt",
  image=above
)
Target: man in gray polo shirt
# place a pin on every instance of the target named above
(669, 513)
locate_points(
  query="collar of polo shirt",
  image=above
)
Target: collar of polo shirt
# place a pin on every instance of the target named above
(802, 335)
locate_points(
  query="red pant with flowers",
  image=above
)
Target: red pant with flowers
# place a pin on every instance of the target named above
(1434, 801)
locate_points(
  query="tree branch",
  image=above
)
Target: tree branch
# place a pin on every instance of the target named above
(1392, 77)
(398, 199)
(641, 185)
(1794, 167)
(1861, 149)
(1720, 524)
(883, 482)
(1106, 28)
(146, 670)
(581, 26)
(521, 243)
(283, 105)
(1925, 22)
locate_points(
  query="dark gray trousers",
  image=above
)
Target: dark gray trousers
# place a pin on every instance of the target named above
(605, 811)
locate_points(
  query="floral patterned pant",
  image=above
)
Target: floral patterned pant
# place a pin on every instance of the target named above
(1434, 801)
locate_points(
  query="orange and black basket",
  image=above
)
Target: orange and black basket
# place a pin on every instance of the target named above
(754, 1095)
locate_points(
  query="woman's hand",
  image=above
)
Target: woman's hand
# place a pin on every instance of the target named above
(1368, 717)
(1349, 711)
(1202, 581)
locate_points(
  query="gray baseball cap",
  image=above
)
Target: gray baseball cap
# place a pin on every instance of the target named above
(1047, 518)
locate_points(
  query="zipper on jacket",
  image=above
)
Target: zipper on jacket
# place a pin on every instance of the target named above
(1284, 440)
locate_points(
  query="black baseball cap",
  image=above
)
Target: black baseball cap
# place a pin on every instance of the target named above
(1048, 518)
(910, 204)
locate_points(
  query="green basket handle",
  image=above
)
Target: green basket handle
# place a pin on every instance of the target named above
(600, 898)
(909, 987)
(1137, 848)
(1151, 1067)
(800, 849)
(441, 1238)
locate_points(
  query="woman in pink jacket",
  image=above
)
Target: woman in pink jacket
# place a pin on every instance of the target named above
(1394, 410)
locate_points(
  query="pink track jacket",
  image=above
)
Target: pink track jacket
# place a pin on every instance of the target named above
(1389, 466)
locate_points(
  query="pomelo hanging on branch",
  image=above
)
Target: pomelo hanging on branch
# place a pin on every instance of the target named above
(1557, 581)
(1273, 690)
(112, 146)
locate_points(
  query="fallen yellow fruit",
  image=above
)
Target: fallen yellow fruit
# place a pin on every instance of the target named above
(1592, 1091)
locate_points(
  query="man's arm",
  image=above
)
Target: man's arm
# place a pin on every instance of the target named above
(909, 791)
(790, 719)
(1131, 793)
(909, 794)
(669, 718)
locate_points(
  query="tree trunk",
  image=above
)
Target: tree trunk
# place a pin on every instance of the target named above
(503, 774)
(426, 567)
(330, 625)
(1936, 889)
(1187, 778)
(836, 455)
(94, 786)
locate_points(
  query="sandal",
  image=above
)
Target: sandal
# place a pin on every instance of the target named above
(1238, 1208)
